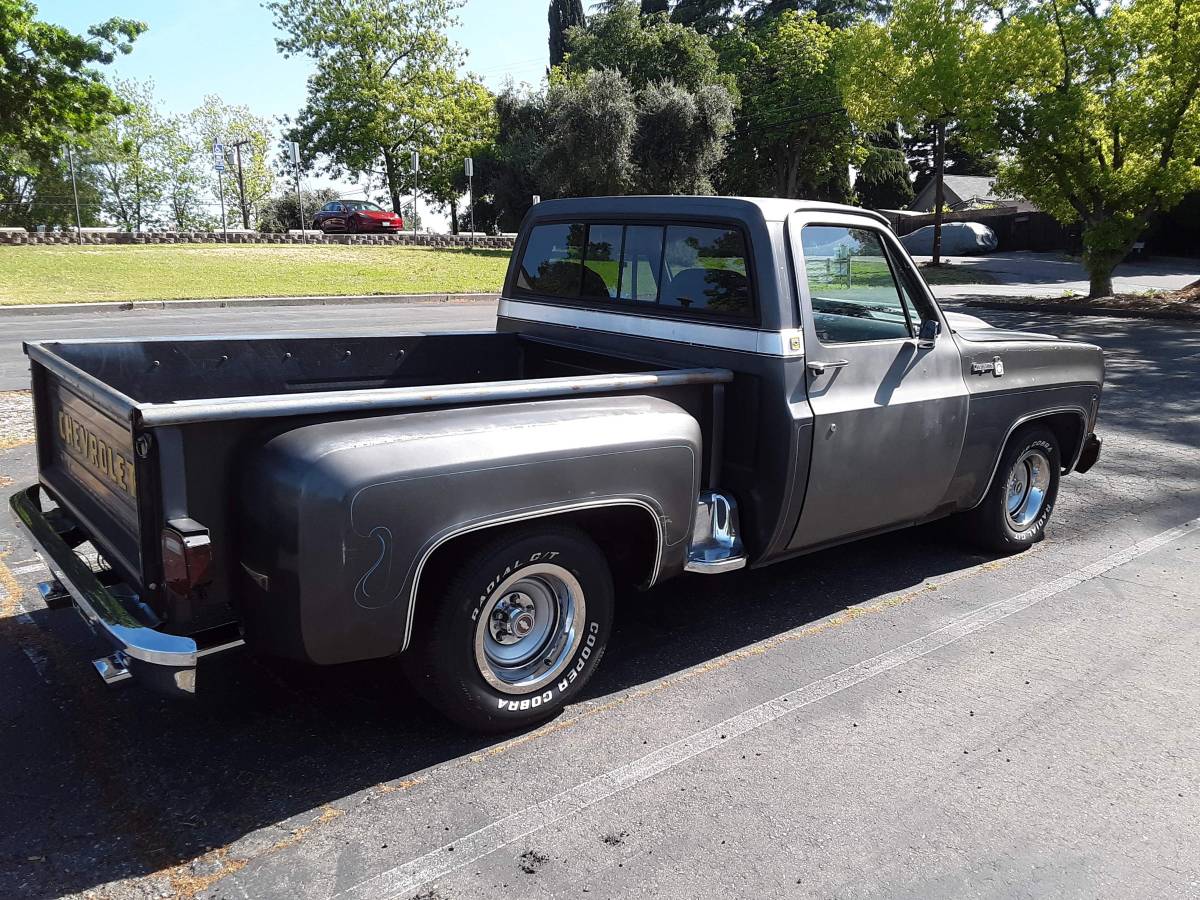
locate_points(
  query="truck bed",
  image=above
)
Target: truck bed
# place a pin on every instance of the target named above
(134, 434)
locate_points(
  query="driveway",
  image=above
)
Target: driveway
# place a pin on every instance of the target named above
(1026, 274)
(901, 717)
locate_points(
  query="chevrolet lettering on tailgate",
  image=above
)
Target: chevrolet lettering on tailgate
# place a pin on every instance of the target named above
(92, 450)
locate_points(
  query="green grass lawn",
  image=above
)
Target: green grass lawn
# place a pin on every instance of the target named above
(64, 274)
(957, 273)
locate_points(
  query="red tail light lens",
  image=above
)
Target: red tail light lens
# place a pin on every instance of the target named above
(186, 555)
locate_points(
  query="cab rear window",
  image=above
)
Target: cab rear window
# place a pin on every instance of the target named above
(699, 269)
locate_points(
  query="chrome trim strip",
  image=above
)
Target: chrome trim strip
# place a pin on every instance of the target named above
(789, 342)
(1024, 420)
(522, 517)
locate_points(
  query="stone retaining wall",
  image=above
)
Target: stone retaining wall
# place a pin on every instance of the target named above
(216, 237)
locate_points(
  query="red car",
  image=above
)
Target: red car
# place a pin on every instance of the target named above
(356, 216)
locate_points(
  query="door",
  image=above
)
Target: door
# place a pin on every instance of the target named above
(884, 381)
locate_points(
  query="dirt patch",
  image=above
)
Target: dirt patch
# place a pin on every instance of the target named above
(532, 860)
(615, 838)
(1181, 304)
(16, 419)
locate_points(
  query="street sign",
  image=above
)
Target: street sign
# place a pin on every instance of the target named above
(469, 167)
(219, 166)
(416, 161)
(294, 152)
(537, 198)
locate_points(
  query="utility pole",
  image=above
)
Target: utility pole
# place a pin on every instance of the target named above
(237, 150)
(75, 191)
(469, 167)
(219, 165)
(294, 150)
(416, 170)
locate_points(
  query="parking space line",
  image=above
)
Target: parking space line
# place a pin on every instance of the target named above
(500, 833)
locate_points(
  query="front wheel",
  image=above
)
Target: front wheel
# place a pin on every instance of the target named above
(518, 632)
(1014, 513)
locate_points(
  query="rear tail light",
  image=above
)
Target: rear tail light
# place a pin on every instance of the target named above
(186, 556)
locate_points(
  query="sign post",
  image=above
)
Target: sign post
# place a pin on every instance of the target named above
(469, 168)
(416, 169)
(294, 152)
(75, 192)
(219, 165)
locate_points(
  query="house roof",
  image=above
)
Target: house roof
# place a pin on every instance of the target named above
(972, 187)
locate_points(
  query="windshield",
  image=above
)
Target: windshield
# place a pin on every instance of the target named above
(362, 204)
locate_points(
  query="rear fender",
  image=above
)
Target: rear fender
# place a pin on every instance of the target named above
(343, 516)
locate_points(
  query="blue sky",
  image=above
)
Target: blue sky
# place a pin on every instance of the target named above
(227, 47)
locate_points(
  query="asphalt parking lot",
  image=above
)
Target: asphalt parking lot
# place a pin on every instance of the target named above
(901, 717)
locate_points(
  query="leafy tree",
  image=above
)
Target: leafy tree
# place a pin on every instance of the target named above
(214, 121)
(127, 153)
(508, 173)
(931, 56)
(834, 13)
(39, 192)
(563, 15)
(680, 138)
(646, 51)
(49, 91)
(884, 180)
(467, 125)
(711, 17)
(384, 70)
(1100, 115)
(282, 213)
(184, 177)
(793, 136)
(651, 7)
(590, 123)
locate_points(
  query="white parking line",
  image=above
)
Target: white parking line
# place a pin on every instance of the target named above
(26, 570)
(500, 833)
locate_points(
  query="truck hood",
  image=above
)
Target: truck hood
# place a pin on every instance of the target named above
(972, 328)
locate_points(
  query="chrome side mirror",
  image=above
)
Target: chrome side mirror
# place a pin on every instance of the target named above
(927, 336)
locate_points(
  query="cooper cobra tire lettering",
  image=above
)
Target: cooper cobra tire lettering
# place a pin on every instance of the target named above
(442, 660)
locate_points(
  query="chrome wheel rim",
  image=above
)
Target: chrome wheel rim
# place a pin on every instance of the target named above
(529, 628)
(1028, 482)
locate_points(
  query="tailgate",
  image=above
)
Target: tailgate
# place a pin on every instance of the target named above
(86, 458)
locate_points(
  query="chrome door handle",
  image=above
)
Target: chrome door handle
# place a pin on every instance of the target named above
(817, 367)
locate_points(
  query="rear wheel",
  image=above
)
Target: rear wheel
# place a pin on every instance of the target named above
(1014, 513)
(518, 632)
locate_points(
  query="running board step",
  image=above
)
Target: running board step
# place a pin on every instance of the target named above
(716, 541)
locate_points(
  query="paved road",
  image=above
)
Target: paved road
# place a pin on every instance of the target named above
(357, 319)
(896, 718)
(1025, 274)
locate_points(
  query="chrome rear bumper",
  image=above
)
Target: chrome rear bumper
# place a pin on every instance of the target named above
(168, 661)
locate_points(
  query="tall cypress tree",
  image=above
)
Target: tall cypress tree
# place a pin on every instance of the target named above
(563, 14)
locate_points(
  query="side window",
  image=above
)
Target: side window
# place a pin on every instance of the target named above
(705, 269)
(602, 262)
(553, 260)
(854, 294)
(641, 262)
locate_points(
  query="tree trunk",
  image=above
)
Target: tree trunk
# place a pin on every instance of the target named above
(389, 168)
(454, 217)
(1100, 282)
(939, 188)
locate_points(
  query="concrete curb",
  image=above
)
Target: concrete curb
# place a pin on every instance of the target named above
(1083, 309)
(50, 309)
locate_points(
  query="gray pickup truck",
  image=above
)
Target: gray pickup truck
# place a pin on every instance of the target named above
(675, 384)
